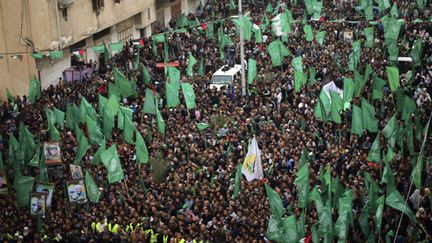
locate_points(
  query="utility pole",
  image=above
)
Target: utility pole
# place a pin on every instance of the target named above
(243, 79)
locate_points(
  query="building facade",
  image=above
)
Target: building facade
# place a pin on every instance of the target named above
(41, 26)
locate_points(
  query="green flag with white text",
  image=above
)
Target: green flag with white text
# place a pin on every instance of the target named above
(111, 161)
(192, 61)
(92, 189)
(142, 153)
(252, 70)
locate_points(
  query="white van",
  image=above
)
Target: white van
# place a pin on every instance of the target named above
(224, 78)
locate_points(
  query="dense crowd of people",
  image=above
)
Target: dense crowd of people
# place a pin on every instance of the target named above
(194, 202)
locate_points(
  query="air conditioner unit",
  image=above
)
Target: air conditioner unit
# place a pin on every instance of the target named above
(65, 3)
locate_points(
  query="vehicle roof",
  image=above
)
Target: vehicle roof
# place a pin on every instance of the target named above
(232, 71)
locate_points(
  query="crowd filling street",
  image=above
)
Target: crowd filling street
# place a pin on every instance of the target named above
(192, 198)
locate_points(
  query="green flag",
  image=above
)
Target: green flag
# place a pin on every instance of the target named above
(201, 126)
(107, 53)
(94, 131)
(356, 122)
(297, 64)
(192, 61)
(97, 156)
(126, 87)
(87, 109)
(159, 38)
(359, 83)
(111, 161)
(108, 124)
(379, 213)
(417, 173)
(201, 68)
(189, 95)
(10, 97)
(82, 150)
(302, 183)
(300, 79)
(369, 33)
(370, 123)
(390, 129)
(275, 53)
(269, 8)
(232, 5)
(276, 205)
(56, 54)
(383, 5)
(116, 47)
(34, 90)
(312, 74)
(129, 128)
(421, 4)
(160, 122)
(416, 52)
(102, 101)
(377, 88)
(409, 107)
(391, 30)
(375, 151)
(252, 70)
(290, 227)
(237, 181)
(320, 37)
(396, 201)
(92, 189)
(355, 55)
(172, 95)
(348, 92)
(26, 140)
(23, 186)
(336, 107)
(308, 32)
(393, 78)
(316, 197)
(244, 24)
(146, 75)
(54, 133)
(394, 12)
(34, 162)
(149, 102)
(142, 154)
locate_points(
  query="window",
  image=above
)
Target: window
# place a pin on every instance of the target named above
(148, 13)
(117, 1)
(98, 5)
(101, 34)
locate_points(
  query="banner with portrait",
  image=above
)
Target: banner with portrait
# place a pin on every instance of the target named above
(76, 191)
(52, 153)
(38, 204)
(48, 190)
(76, 172)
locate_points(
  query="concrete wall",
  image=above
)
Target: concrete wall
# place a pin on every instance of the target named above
(36, 21)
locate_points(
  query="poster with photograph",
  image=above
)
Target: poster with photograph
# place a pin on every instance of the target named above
(3, 183)
(37, 204)
(52, 153)
(76, 172)
(48, 190)
(76, 191)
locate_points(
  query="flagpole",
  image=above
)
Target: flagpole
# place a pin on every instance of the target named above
(243, 79)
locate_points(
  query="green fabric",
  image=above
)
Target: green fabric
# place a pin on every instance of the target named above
(192, 61)
(137, 61)
(113, 89)
(37, 55)
(308, 32)
(112, 106)
(159, 38)
(369, 33)
(389, 131)
(124, 112)
(276, 205)
(421, 4)
(320, 37)
(300, 79)
(396, 201)
(129, 129)
(172, 95)
(97, 156)
(116, 47)
(383, 5)
(336, 107)
(375, 151)
(319, 111)
(246, 25)
(160, 122)
(393, 78)
(416, 52)
(409, 107)
(269, 8)
(174, 77)
(394, 12)
(275, 53)
(87, 109)
(391, 30)
(34, 162)
(142, 153)
(252, 70)
(146, 75)
(356, 122)
(378, 88)
(388, 178)
(297, 64)
(201, 126)
(312, 74)
(284, 22)
(94, 131)
(54, 133)
(98, 49)
(302, 183)
(348, 92)
(237, 181)
(342, 225)
(92, 189)
(325, 101)
(9, 96)
(82, 150)
(126, 87)
(182, 21)
(108, 124)
(34, 90)
(56, 54)
(290, 225)
(417, 173)
(355, 55)
(359, 83)
(23, 186)
(149, 102)
(315, 196)
(201, 68)
(232, 5)
(102, 101)
(27, 143)
(111, 161)
(189, 95)
(370, 123)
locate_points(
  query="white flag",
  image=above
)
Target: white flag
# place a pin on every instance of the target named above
(252, 167)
